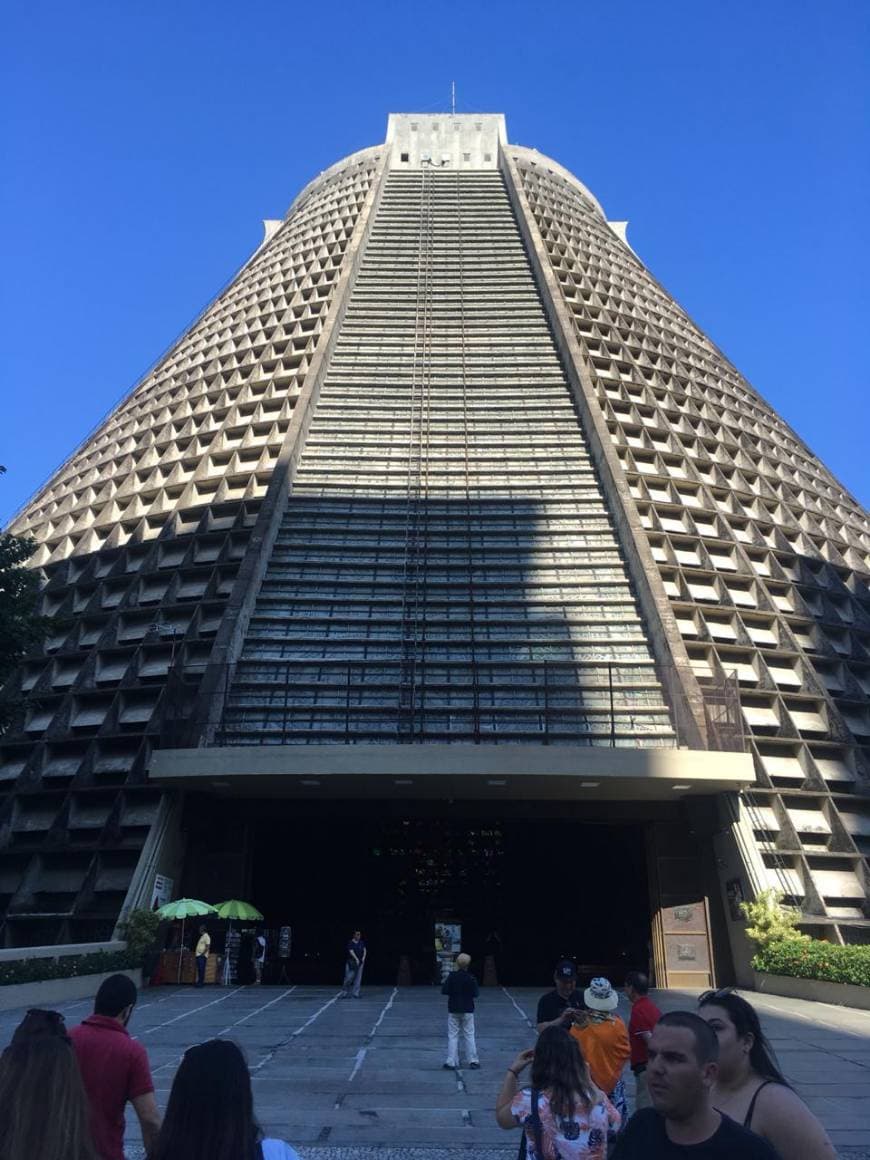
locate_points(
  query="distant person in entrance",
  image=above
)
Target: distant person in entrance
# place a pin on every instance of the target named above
(355, 960)
(461, 989)
(203, 945)
(259, 956)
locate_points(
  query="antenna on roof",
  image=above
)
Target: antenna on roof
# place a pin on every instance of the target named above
(453, 98)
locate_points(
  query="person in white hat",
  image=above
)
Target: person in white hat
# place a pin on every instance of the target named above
(603, 1038)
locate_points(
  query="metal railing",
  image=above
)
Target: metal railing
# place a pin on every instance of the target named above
(620, 704)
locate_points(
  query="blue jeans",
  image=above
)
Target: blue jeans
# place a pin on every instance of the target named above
(201, 960)
(353, 978)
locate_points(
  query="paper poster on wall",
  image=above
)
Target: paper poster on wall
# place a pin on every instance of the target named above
(734, 894)
(162, 892)
(285, 942)
(448, 944)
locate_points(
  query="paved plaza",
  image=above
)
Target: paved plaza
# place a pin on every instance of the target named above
(364, 1078)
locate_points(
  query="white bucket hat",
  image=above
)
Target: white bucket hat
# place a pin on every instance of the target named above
(600, 996)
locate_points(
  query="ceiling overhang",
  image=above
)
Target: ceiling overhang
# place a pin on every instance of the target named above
(541, 772)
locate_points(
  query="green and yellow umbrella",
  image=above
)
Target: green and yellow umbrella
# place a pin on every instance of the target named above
(240, 910)
(184, 908)
(244, 912)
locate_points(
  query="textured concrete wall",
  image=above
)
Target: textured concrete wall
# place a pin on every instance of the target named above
(459, 141)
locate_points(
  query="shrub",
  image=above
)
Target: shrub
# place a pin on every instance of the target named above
(140, 930)
(770, 922)
(813, 959)
(66, 967)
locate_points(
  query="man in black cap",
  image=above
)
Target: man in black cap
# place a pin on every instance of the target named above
(556, 1007)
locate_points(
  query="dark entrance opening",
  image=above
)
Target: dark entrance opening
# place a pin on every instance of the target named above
(527, 890)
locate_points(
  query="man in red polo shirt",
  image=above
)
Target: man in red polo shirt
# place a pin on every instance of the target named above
(115, 1069)
(644, 1016)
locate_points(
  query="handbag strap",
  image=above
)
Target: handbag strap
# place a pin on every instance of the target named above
(536, 1125)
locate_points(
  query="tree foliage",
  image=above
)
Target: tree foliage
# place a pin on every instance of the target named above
(20, 625)
(770, 921)
(140, 930)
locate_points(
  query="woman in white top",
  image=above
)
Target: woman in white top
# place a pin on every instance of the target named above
(562, 1112)
(210, 1114)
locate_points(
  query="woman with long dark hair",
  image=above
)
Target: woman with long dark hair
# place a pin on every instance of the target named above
(563, 1113)
(751, 1089)
(210, 1114)
(43, 1107)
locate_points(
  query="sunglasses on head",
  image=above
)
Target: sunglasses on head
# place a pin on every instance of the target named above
(713, 996)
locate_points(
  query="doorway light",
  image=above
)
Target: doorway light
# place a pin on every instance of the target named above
(496, 781)
(681, 787)
(403, 781)
(309, 781)
(589, 784)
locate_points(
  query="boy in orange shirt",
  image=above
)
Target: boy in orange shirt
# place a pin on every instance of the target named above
(603, 1039)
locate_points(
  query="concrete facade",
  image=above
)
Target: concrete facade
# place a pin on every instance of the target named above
(451, 771)
(435, 140)
(444, 486)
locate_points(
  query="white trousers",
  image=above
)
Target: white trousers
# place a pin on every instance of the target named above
(460, 1025)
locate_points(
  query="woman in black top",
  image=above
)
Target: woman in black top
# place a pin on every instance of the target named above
(751, 1089)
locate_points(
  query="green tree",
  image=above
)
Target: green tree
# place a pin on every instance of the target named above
(140, 930)
(20, 625)
(770, 921)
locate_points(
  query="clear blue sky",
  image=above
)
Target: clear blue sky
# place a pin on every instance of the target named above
(144, 142)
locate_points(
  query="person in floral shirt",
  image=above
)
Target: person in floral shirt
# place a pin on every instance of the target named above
(564, 1115)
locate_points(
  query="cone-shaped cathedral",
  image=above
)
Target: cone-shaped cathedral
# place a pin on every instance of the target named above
(445, 539)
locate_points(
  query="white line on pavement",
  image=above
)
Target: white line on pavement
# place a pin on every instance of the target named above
(360, 1056)
(187, 1014)
(316, 1015)
(522, 1014)
(178, 1058)
(251, 1014)
(298, 1031)
(383, 1013)
(153, 1003)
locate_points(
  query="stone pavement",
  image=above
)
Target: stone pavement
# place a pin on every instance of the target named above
(363, 1079)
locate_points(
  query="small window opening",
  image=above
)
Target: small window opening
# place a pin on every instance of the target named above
(404, 157)
(466, 156)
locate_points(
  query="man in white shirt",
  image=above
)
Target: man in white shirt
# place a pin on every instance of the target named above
(259, 956)
(202, 949)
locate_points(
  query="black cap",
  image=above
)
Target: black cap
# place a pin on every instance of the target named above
(566, 970)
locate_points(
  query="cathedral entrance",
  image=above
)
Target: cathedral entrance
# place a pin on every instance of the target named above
(524, 890)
